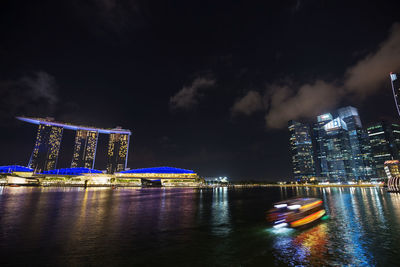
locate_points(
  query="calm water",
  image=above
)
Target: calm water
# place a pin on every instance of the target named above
(193, 227)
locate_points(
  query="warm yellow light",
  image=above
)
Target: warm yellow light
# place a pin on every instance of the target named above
(308, 219)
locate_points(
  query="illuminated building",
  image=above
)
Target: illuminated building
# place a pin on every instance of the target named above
(384, 139)
(47, 146)
(362, 165)
(71, 171)
(342, 147)
(320, 149)
(84, 149)
(45, 152)
(393, 174)
(117, 154)
(17, 175)
(301, 149)
(395, 79)
(14, 169)
(333, 150)
(165, 176)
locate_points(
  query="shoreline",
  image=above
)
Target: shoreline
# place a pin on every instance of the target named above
(188, 186)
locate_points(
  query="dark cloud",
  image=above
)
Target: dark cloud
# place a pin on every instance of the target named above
(368, 74)
(188, 97)
(249, 104)
(287, 102)
(309, 100)
(34, 95)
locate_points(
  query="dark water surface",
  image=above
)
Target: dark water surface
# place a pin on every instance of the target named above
(193, 227)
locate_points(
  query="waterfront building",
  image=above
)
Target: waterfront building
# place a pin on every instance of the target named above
(74, 177)
(9, 169)
(117, 154)
(384, 139)
(162, 176)
(158, 176)
(15, 174)
(84, 149)
(45, 152)
(342, 147)
(301, 149)
(47, 146)
(71, 171)
(393, 174)
(395, 80)
(222, 180)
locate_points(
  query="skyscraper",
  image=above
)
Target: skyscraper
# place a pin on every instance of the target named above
(335, 150)
(117, 154)
(47, 146)
(342, 146)
(361, 158)
(301, 149)
(320, 147)
(385, 143)
(84, 149)
(45, 152)
(394, 78)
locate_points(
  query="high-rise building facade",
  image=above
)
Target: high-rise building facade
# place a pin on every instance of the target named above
(334, 150)
(385, 144)
(45, 152)
(301, 149)
(392, 175)
(342, 147)
(395, 79)
(84, 149)
(320, 147)
(117, 153)
(361, 158)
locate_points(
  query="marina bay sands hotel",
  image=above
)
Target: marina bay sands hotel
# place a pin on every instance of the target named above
(48, 140)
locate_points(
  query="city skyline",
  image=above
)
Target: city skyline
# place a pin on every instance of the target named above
(206, 86)
(338, 149)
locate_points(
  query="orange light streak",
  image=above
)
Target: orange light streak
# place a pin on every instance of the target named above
(311, 204)
(308, 219)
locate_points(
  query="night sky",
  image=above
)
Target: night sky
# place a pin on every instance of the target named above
(203, 85)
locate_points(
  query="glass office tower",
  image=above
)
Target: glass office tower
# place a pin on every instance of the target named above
(45, 152)
(320, 147)
(336, 148)
(301, 149)
(384, 139)
(84, 149)
(343, 149)
(361, 159)
(117, 154)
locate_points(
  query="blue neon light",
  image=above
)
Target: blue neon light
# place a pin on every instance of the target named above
(14, 168)
(71, 171)
(159, 170)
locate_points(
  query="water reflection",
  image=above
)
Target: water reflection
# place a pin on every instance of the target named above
(359, 232)
(306, 247)
(183, 226)
(220, 212)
